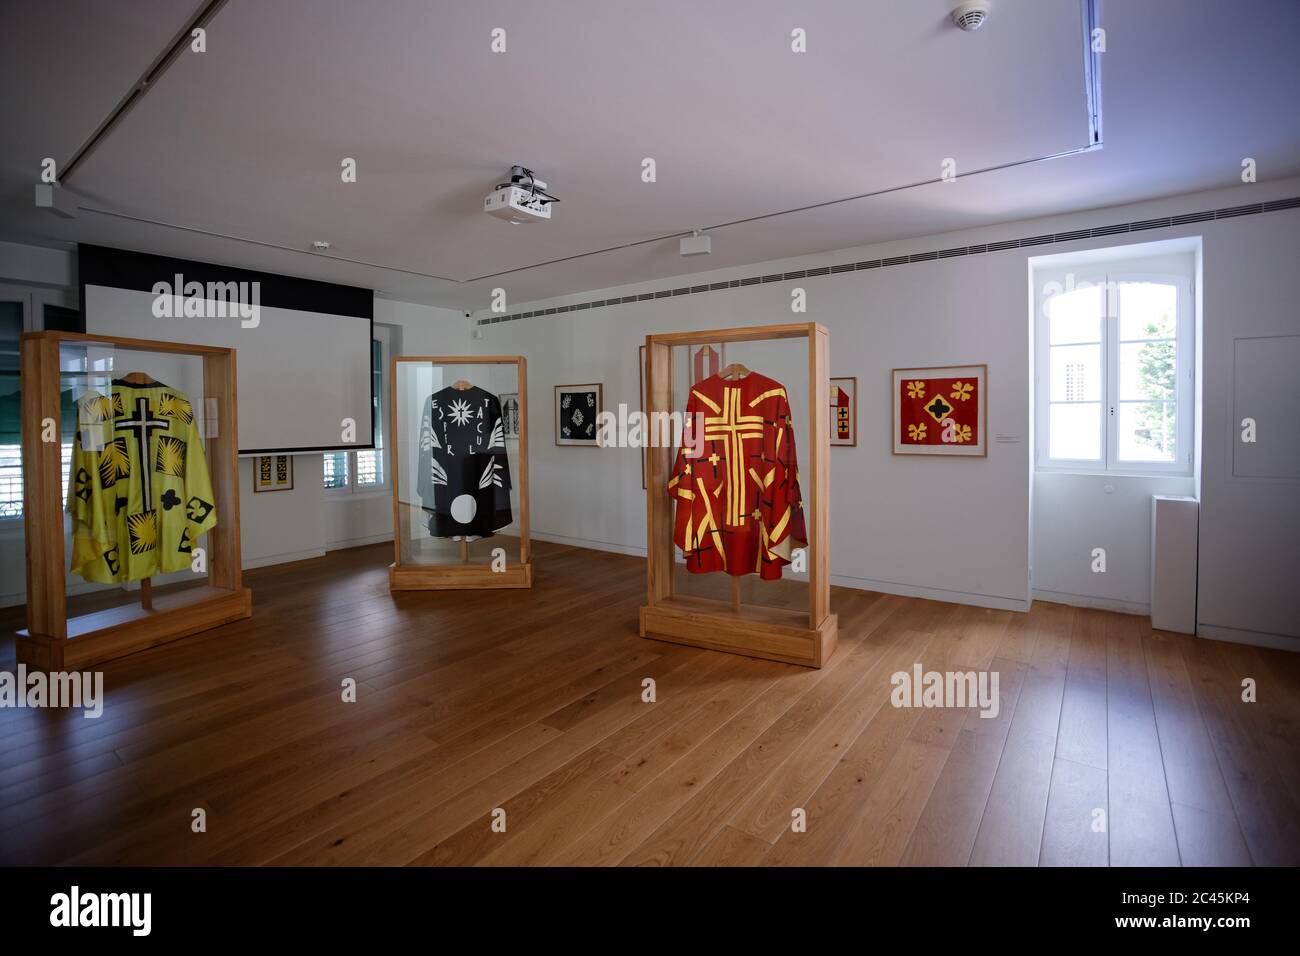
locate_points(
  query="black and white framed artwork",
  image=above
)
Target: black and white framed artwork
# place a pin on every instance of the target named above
(576, 408)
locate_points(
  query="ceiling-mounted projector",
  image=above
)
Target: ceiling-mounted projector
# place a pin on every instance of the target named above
(523, 199)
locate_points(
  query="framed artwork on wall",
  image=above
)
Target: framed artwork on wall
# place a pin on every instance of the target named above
(941, 410)
(510, 414)
(576, 408)
(844, 411)
(273, 473)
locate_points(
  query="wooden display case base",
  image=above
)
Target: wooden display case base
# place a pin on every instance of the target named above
(458, 577)
(776, 634)
(105, 635)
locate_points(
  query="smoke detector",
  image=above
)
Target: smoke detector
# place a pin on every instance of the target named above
(970, 16)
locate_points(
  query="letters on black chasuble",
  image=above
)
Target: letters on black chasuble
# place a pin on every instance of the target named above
(139, 491)
(739, 508)
(464, 474)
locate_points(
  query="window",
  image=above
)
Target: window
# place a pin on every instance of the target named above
(19, 305)
(12, 310)
(1114, 366)
(360, 471)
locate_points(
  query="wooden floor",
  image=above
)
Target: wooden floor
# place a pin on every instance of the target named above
(1114, 744)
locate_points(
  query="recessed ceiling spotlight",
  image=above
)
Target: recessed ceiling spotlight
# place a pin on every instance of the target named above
(320, 245)
(970, 16)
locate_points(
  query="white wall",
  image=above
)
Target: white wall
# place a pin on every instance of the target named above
(1250, 527)
(955, 529)
(1073, 514)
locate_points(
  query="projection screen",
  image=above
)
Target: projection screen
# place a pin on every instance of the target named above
(303, 348)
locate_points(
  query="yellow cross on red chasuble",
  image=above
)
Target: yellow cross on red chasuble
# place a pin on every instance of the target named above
(739, 506)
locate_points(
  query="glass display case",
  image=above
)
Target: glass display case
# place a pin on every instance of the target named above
(459, 457)
(737, 508)
(130, 495)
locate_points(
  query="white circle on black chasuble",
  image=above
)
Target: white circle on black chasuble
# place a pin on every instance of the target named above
(463, 508)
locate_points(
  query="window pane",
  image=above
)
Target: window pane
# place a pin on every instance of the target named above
(368, 468)
(377, 390)
(11, 481)
(1147, 370)
(1075, 373)
(11, 464)
(1075, 431)
(370, 464)
(1146, 431)
(1147, 310)
(65, 457)
(1074, 316)
(336, 469)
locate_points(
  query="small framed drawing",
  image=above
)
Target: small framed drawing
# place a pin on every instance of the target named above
(941, 410)
(576, 408)
(510, 414)
(844, 411)
(273, 473)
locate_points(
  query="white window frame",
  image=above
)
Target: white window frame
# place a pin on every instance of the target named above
(382, 336)
(1167, 270)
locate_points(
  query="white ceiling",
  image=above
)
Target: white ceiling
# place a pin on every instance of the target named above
(246, 139)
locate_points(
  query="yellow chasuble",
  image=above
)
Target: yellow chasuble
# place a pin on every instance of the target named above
(139, 493)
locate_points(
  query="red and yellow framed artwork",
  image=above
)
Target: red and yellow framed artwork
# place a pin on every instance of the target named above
(844, 411)
(941, 410)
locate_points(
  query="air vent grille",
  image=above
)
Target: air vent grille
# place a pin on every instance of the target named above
(1097, 232)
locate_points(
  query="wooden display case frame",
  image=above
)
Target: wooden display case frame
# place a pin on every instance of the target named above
(780, 634)
(454, 577)
(52, 640)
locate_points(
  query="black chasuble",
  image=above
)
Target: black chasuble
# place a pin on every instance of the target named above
(464, 475)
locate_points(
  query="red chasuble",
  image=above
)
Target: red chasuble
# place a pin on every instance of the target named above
(738, 505)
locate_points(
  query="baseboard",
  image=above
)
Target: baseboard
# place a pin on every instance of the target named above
(1088, 600)
(363, 541)
(1236, 635)
(265, 560)
(862, 584)
(995, 601)
(584, 543)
